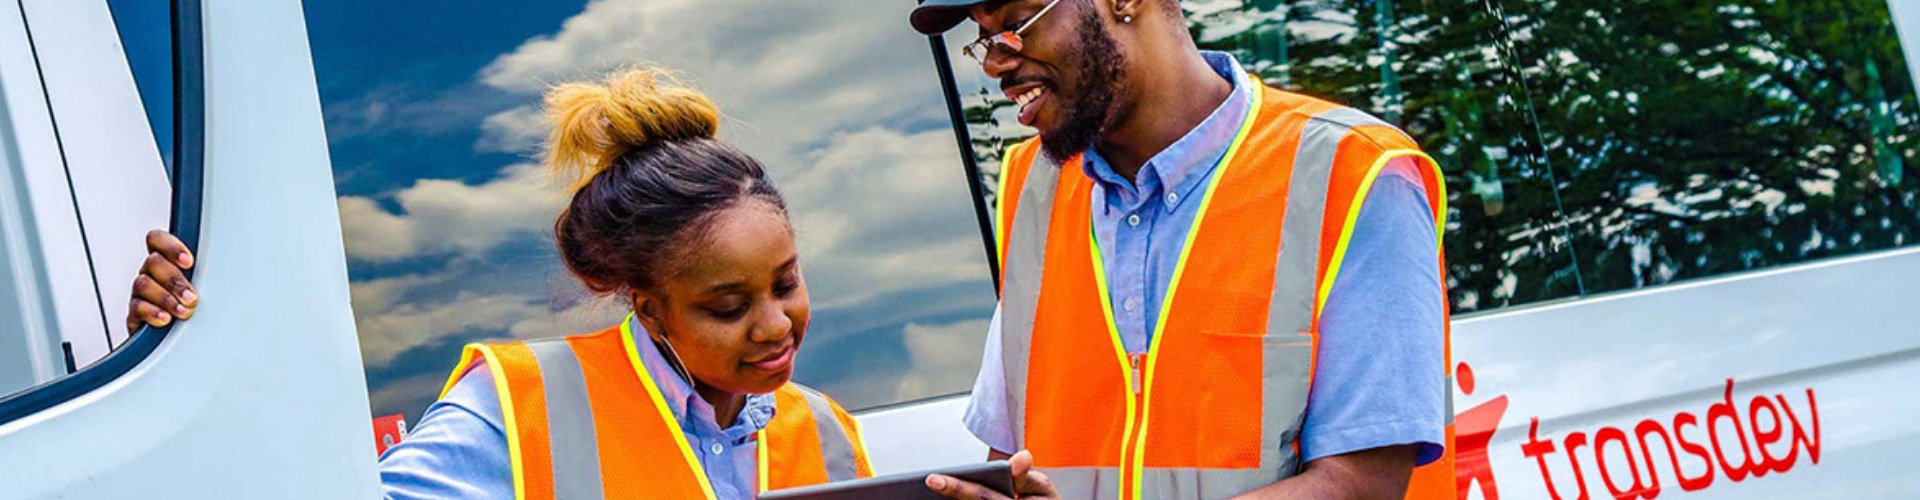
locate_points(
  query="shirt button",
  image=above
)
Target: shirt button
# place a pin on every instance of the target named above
(717, 448)
(1173, 198)
(1133, 220)
(1129, 305)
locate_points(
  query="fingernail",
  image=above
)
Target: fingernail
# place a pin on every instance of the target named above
(163, 317)
(186, 260)
(189, 296)
(937, 482)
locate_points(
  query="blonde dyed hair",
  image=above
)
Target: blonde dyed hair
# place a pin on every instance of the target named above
(594, 124)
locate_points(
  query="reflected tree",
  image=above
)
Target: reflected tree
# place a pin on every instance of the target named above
(1709, 137)
(1597, 145)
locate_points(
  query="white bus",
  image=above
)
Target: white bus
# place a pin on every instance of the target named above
(1679, 255)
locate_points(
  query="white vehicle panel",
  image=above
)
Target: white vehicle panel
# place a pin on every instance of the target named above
(112, 162)
(1906, 21)
(270, 370)
(56, 225)
(1832, 327)
(262, 395)
(1824, 335)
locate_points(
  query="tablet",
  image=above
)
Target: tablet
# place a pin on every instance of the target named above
(995, 475)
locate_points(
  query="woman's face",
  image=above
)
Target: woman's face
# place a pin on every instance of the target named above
(734, 307)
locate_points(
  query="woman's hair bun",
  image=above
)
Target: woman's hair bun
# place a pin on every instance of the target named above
(594, 124)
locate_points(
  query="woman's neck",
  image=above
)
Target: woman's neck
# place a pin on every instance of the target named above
(726, 405)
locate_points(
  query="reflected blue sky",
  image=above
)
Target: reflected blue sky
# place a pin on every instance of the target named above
(431, 113)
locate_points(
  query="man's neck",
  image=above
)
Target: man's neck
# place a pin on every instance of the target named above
(1168, 105)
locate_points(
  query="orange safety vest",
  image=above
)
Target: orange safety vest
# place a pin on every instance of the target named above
(585, 421)
(1215, 407)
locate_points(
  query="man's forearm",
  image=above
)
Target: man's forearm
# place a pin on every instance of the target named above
(1376, 474)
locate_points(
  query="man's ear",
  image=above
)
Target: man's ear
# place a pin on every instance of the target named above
(1127, 10)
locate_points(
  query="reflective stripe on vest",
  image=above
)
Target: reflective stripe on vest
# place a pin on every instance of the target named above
(1097, 423)
(582, 416)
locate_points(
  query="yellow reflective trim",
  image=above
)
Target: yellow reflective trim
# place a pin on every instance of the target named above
(1440, 217)
(660, 403)
(1136, 461)
(862, 459)
(1353, 215)
(760, 447)
(506, 408)
(1119, 350)
(1002, 219)
(459, 370)
(1180, 270)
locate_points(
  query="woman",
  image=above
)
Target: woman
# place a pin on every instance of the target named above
(689, 396)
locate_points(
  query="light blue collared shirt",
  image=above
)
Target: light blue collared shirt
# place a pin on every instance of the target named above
(459, 449)
(1379, 376)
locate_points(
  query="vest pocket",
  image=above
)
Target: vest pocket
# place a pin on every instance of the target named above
(1206, 399)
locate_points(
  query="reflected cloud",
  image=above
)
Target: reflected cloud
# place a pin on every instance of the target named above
(444, 215)
(838, 99)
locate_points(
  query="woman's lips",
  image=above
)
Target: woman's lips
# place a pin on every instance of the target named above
(777, 362)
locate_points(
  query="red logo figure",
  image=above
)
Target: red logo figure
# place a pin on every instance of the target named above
(1473, 431)
(388, 431)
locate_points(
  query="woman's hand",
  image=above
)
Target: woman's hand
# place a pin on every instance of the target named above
(1027, 483)
(161, 292)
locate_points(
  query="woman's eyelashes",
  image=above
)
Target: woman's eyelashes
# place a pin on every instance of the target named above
(729, 312)
(787, 284)
(735, 307)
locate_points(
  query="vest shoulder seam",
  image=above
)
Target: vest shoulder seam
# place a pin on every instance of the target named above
(1373, 138)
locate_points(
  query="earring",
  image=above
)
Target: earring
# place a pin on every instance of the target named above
(1126, 19)
(673, 361)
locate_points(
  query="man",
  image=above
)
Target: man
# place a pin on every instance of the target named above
(1212, 288)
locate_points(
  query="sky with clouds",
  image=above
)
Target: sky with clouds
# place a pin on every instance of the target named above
(432, 114)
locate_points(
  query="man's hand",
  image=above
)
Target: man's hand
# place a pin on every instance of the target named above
(1027, 483)
(161, 292)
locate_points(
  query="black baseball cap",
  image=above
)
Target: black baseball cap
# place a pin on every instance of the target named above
(933, 17)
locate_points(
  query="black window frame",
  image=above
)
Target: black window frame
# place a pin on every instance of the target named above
(950, 92)
(188, 159)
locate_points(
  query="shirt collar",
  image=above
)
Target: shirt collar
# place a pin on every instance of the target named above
(1180, 166)
(685, 403)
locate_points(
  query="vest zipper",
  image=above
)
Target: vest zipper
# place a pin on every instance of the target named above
(1135, 362)
(1131, 460)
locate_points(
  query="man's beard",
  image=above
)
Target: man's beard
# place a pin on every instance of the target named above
(1101, 69)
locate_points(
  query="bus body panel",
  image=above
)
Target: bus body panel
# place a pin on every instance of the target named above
(262, 394)
(1831, 339)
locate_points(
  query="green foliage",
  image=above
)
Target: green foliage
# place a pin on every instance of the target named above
(1597, 145)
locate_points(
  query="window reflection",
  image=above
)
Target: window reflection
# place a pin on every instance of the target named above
(1648, 142)
(1707, 138)
(1452, 84)
(146, 33)
(447, 224)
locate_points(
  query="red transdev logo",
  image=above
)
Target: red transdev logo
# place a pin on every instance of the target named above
(1764, 436)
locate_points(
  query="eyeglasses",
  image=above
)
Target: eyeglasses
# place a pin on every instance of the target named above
(1006, 40)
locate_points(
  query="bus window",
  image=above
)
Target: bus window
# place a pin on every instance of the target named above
(85, 180)
(28, 334)
(147, 37)
(1703, 141)
(432, 120)
(1452, 84)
